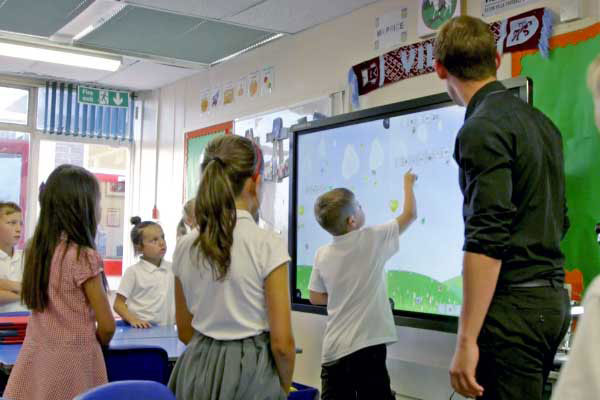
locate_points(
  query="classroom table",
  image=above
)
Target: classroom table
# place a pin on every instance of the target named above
(160, 336)
(125, 335)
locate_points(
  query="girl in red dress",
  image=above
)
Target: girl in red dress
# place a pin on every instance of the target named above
(63, 285)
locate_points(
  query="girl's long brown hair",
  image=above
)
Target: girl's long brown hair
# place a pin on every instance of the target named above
(228, 162)
(68, 207)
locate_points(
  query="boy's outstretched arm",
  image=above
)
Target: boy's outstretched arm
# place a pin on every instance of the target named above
(409, 213)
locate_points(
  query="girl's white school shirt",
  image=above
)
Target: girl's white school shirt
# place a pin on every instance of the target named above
(150, 291)
(234, 308)
(11, 268)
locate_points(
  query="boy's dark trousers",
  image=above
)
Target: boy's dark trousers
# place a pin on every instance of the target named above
(361, 375)
(519, 338)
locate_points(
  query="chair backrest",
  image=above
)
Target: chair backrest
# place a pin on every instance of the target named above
(128, 390)
(131, 362)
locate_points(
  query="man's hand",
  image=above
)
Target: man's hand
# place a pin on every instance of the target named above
(462, 369)
(138, 323)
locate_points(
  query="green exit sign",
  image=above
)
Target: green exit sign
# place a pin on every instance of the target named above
(102, 97)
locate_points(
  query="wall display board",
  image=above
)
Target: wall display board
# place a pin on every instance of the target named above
(561, 93)
(271, 132)
(195, 142)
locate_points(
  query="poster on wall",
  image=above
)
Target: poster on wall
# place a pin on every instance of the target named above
(241, 87)
(113, 217)
(115, 189)
(433, 13)
(391, 30)
(216, 98)
(195, 143)
(253, 84)
(205, 100)
(495, 7)
(266, 87)
(228, 93)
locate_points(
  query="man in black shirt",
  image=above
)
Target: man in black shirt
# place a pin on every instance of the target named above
(515, 311)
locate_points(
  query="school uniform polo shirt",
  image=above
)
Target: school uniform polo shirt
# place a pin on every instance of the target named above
(11, 268)
(150, 292)
(351, 271)
(233, 308)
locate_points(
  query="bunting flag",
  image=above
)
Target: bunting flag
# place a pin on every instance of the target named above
(529, 30)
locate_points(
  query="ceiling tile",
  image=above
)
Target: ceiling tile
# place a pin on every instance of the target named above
(200, 8)
(146, 75)
(66, 72)
(39, 18)
(293, 16)
(137, 30)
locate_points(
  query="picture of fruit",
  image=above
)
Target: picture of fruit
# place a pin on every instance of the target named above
(253, 87)
(393, 205)
(228, 96)
(204, 105)
(268, 84)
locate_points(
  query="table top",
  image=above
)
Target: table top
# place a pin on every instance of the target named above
(125, 335)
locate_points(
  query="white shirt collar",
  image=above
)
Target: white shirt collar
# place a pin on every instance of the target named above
(243, 214)
(345, 236)
(4, 256)
(149, 267)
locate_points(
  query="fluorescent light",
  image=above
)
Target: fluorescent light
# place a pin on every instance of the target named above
(55, 56)
(255, 45)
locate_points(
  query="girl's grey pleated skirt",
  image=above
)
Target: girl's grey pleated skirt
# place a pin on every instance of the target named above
(212, 369)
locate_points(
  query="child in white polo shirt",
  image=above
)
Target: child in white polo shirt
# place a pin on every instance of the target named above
(348, 276)
(145, 296)
(11, 260)
(231, 287)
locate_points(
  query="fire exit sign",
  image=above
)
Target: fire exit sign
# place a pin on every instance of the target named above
(102, 97)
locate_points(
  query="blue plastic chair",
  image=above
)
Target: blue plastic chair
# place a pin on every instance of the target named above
(137, 362)
(128, 390)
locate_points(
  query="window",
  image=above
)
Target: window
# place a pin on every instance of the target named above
(110, 165)
(14, 163)
(14, 105)
(59, 112)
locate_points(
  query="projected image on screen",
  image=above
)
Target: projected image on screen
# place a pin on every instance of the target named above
(370, 159)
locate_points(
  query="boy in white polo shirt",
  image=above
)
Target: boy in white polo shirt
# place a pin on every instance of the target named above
(348, 276)
(146, 293)
(11, 259)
